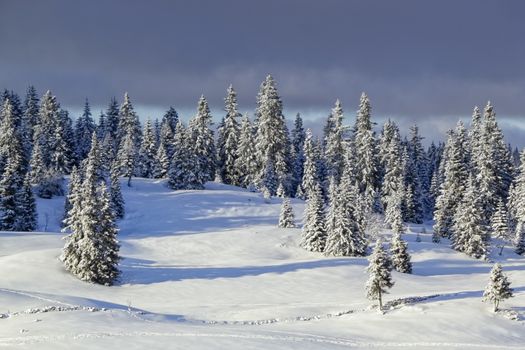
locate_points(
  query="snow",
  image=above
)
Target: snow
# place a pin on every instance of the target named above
(210, 270)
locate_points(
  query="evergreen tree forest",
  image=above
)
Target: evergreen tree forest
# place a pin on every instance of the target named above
(472, 186)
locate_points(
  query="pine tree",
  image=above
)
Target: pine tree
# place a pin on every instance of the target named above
(365, 151)
(129, 126)
(71, 217)
(229, 133)
(84, 128)
(112, 119)
(269, 182)
(470, 232)
(454, 184)
(182, 172)
(147, 152)
(246, 161)
(334, 149)
(393, 213)
(126, 158)
(202, 142)
(115, 195)
(271, 142)
(498, 288)
(379, 274)
(286, 217)
(415, 176)
(167, 131)
(400, 257)
(30, 115)
(162, 163)
(9, 185)
(298, 138)
(314, 232)
(499, 225)
(346, 235)
(311, 174)
(26, 214)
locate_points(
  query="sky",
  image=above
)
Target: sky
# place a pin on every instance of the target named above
(424, 62)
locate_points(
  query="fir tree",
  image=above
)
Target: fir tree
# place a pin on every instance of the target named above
(162, 163)
(126, 158)
(379, 274)
(202, 142)
(346, 236)
(498, 288)
(84, 128)
(365, 151)
(71, 212)
(147, 152)
(246, 161)
(314, 232)
(298, 138)
(334, 149)
(26, 217)
(286, 217)
(470, 233)
(271, 143)
(9, 185)
(229, 133)
(115, 195)
(454, 184)
(499, 225)
(30, 115)
(129, 126)
(400, 257)
(112, 119)
(311, 174)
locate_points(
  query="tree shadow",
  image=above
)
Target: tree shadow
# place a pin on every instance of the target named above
(139, 271)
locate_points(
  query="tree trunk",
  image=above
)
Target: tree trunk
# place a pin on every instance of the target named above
(496, 304)
(501, 250)
(129, 181)
(380, 302)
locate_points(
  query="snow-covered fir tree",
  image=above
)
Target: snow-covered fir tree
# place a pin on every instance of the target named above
(400, 257)
(269, 183)
(271, 141)
(229, 134)
(365, 151)
(498, 288)
(168, 126)
(499, 225)
(286, 217)
(129, 125)
(311, 174)
(112, 119)
(393, 212)
(334, 144)
(162, 163)
(202, 142)
(126, 158)
(31, 107)
(314, 231)
(26, 214)
(84, 128)
(415, 177)
(346, 235)
(454, 184)
(379, 274)
(298, 138)
(115, 194)
(9, 185)
(470, 232)
(246, 161)
(147, 152)
(182, 172)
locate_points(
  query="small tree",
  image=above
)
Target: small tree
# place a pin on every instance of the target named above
(286, 218)
(380, 278)
(400, 257)
(498, 288)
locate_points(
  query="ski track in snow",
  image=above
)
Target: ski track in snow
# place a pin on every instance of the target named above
(284, 336)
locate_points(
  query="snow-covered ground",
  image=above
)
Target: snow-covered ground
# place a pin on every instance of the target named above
(210, 270)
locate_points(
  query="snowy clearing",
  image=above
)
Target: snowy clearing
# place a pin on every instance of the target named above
(210, 269)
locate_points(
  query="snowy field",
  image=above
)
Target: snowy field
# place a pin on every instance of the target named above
(211, 270)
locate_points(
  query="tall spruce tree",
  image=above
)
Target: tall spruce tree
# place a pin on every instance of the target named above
(454, 183)
(298, 138)
(311, 173)
(146, 156)
(84, 128)
(202, 142)
(229, 133)
(246, 161)
(26, 214)
(314, 231)
(499, 225)
(334, 149)
(115, 194)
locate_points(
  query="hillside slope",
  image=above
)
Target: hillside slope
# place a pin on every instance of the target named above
(210, 270)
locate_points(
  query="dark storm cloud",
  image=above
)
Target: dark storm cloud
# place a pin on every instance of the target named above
(423, 61)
